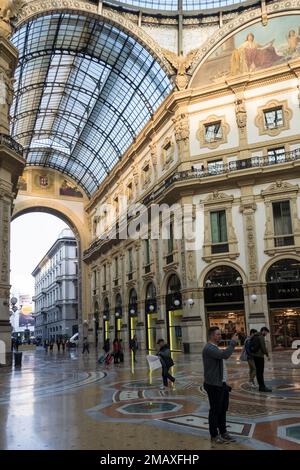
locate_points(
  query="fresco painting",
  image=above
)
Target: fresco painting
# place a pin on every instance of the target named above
(255, 48)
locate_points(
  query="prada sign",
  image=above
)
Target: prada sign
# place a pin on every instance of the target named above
(284, 290)
(223, 294)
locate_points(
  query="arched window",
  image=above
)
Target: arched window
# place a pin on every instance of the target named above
(223, 276)
(284, 270)
(173, 297)
(118, 307)
(150, 302)
(151, 291)
(132, 302)
(106, 308)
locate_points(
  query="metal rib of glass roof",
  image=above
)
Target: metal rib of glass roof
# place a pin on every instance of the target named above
(83, 91)
(174, 5)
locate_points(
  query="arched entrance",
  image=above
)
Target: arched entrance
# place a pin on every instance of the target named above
(283, 292)
(174, 312)
(105, 319)
(151, 316)
(118, 316)
(224, 301)
(132, 313)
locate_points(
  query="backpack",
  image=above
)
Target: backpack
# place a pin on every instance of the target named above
(254, 344)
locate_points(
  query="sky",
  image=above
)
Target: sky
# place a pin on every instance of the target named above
(31, 237)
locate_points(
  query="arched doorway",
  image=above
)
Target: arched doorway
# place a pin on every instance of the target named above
(174, 313)
(118, 316)
(224, 302)
(105, 319)
(283, 292)
(96, 319)
(132, 313)
(151, 316)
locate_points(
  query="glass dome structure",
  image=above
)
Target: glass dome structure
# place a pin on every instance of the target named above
(84, 89)
(175, 5)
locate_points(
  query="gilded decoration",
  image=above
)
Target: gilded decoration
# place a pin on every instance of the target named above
(43, 181)
(214, 202)
(260, 117)
(181, 64)
(238, 49)
(213, 143)
(280, 191)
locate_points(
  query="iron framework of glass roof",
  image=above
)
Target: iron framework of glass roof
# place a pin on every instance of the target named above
(175, 5)
(84, 89)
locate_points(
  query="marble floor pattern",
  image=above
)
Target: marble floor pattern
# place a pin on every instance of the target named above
(67, 401)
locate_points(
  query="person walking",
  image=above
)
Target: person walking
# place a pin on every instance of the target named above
(116, 350)
(58, 344)
(258, 350)
(133, 345)
(247, 356)
(215, 384)
(167, 362)
(63, 345)
(86, 346)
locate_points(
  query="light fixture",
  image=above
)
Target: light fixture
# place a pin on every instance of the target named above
(254, 297)
(132, 311)
(208, 282)
(191, 302)
(239, 279)
(176, 303)
(104, 317)
(117, 314)
(151, 308)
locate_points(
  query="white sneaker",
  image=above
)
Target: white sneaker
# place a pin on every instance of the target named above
(162, 387)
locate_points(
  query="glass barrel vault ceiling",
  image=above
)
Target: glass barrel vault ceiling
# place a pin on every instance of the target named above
(83, 91)
(173, 5)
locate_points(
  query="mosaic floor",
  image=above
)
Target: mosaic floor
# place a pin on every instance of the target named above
(66, 401)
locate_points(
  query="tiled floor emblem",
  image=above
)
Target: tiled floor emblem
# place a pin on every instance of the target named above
(290, 432)
(150, 407)
(201, 422)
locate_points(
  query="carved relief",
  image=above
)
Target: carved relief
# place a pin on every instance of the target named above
(248, 210)
(181, 64)
(146, 173)
(9, 10)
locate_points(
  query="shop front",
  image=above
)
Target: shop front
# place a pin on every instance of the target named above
(151, 317)
(132, 313)
(118, 316)
(224, 303)
(283, 292)
(174, 313)
(106, 320)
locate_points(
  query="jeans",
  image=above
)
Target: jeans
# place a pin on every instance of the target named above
(218, 402)
(260, 365)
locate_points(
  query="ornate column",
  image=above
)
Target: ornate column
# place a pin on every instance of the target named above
(11, 167)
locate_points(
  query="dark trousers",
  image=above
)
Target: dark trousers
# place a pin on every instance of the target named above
(260, 365)
(218, 402)
(86, 348)
(166, 375)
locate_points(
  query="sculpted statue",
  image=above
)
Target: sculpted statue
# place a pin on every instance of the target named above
(9, 9)
(181, 63)
(241, 113)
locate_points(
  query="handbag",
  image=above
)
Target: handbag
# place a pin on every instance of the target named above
(244, 355)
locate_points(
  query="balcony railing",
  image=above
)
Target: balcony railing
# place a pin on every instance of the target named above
(8, 141)
(237, 165)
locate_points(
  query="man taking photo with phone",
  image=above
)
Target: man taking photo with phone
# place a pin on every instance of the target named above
(215, 384)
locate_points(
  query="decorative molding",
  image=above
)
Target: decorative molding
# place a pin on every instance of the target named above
(260, 118)
(211, 120)
(278, 191)
(219, 201)
(167, 153)
(248, 209)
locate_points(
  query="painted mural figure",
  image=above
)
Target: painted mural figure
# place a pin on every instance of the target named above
(293, 40)
(251, 56)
